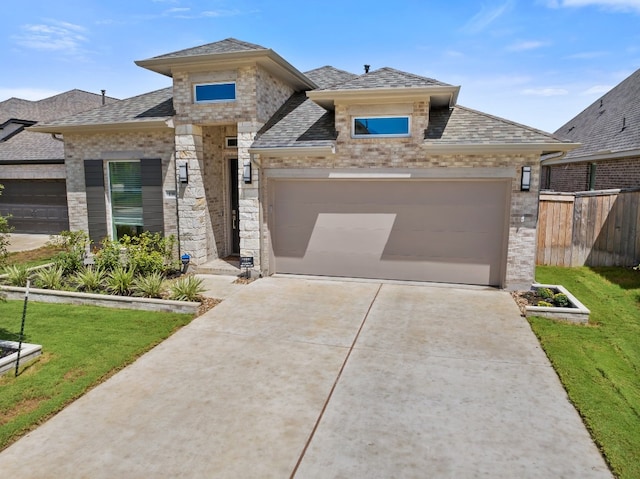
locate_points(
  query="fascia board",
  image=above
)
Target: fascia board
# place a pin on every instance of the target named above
(132, 125)
(381, 95)
(604, 155)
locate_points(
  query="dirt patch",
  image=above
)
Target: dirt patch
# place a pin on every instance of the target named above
(244, 280)
(43, 253)
(23, 407)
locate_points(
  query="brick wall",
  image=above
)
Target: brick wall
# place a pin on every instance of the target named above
(409, 153)
(610, 174)
(33, 172)
(125, 145)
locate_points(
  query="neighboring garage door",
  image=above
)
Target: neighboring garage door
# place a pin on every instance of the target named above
(36, 206)
(425, 230)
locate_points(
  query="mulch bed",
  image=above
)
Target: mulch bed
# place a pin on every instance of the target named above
(206, 304)
(526, 298)
(6, 351)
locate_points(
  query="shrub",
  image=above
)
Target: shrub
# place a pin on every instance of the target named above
(150, 253)
(561, 300)
(187, 288)
(89, 279)
(107, 258)
(74, 244)
(49, 278)
(17, 275)
(120, 281)
(546, 293)
(149, 286)
(545, 304)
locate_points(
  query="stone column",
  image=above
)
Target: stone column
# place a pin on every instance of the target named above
(249, 207)
(192, 202)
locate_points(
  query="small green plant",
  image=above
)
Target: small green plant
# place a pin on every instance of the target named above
(546, 293)
(149, 286)
(89, 279)
(561, 300)
(108, 256)
(187, 288)
(17, 275)
(545, 304)
(74, 244)
(120, 281)
(49, 278)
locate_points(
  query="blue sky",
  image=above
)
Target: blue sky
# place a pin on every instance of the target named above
(537, 62)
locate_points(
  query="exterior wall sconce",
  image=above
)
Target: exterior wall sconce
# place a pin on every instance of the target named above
(246, 171)
(183, 173)
(525, 179)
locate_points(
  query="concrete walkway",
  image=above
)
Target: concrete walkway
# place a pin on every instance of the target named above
(26, 242)
(327, 379)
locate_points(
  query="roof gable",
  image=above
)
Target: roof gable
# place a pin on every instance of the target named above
(611, 124)
(228, 45)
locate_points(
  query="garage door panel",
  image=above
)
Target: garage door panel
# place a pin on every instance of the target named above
(450, 231)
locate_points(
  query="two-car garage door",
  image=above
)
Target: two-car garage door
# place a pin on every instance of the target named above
(426, 230)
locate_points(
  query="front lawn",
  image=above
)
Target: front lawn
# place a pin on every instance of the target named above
(599, 364)
(81, 345)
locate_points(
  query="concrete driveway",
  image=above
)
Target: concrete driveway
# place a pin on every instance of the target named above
(301, 378)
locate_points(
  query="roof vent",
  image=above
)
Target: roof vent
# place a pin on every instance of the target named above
(104, 99)
(600, 102)
(624, 123)
(366, 68)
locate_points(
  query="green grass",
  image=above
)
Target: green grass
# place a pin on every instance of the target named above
(599, 364)
(82, 346)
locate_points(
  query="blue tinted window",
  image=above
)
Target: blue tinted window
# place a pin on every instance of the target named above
(215, 92)
(393, 125)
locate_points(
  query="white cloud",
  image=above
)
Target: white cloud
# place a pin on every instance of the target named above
(597, 90)
(52, 36)
(548, 91)
(526, 45)
(485, 17)
(617, 5)
(26, 93)
(586, 55)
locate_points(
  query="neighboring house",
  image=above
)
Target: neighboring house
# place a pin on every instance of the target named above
(379, 175)
(609, 131)
(32, 164)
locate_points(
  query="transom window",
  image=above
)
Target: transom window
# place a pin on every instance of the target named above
(214, 92)
(125, 186)
(380, 126)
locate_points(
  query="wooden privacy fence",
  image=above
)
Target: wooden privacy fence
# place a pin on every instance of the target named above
(592, 228)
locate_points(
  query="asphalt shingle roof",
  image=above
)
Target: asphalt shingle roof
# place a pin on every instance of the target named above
(461, 125)
(611, 123)
(386, 78)
(228, 45)
(153, 106)
(300, 123)
(328, 76)
(29, 146)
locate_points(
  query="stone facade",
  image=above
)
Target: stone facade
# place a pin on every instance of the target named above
(130, 144)
(609, 174)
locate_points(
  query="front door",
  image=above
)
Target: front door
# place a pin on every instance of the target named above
(235, 214)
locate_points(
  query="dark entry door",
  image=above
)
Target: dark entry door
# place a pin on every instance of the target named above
(235, 214)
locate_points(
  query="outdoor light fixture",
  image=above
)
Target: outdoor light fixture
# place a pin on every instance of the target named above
(183, 173)
(246, 171)
(525, 180)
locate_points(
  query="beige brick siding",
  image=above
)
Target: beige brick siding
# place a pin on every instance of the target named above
(127, 144)
(610, 174)
(271, 95)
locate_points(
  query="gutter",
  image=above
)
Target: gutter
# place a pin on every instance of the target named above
(600, 155)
